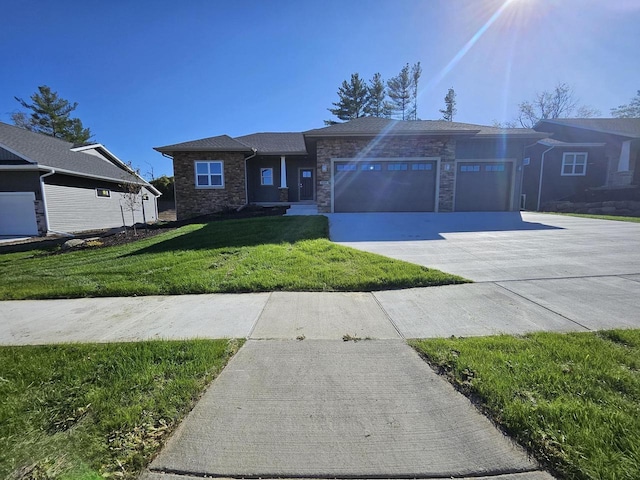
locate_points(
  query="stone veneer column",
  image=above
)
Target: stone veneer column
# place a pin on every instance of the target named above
(447, 176)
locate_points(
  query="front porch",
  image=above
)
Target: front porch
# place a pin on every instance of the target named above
(281, 180)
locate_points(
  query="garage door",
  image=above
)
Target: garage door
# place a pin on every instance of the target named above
(384, 186)
(17, 214)
(483, 186)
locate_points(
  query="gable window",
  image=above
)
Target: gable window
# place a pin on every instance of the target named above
(574, 164)
(209, 174)
(266, 176)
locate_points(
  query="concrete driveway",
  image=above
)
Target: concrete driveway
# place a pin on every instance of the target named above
(493, 247)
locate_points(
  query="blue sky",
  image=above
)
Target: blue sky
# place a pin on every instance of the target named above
(152, 73)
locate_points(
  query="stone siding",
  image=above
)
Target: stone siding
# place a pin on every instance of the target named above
(192, 201)
(41, 219)
(392, 147)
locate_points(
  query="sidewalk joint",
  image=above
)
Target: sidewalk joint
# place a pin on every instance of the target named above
(545, 307)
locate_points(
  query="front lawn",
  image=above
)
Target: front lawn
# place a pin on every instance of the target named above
(571, 399)
(250, 255)
(95, 411)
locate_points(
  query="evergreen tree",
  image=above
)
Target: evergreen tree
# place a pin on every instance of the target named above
(51, 115)
(630, 110)
(399, 89)
(416, 71)
(450, 106)
(352, 98)
(377, 104)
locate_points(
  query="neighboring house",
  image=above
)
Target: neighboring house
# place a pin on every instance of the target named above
(48, 185)
(581, 153)
(365, 165)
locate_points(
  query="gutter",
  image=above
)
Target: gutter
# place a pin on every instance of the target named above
(246, 179)
(44, 204)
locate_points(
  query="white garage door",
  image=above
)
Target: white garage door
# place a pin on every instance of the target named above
(18, 214)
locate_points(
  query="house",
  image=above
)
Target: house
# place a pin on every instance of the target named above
(580, 154)
(48, 185)
(368, 164)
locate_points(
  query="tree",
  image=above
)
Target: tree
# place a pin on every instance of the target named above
(165, 186)
(377, 104)
(630, 110)
(400, 93)
(352, 98)
(449, 106)
(51, 115)
(559, 103)
(416, 71)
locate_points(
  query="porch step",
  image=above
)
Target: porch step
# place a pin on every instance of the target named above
(302, 210)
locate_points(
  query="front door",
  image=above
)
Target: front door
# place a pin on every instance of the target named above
(306, 183)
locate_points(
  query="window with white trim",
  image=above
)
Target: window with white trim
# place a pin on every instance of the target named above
(574, 164)
(266, 176)
(209, 174)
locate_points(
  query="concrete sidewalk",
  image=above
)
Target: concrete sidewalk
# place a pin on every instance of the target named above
(334, 409)
(514, 307)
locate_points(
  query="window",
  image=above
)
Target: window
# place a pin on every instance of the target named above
(103, 192)
(209, 174)
(494, 168)
(397, 166)
(371, 167)
(346, 168)
(421, 166)
(574, 164)
(469, 168)
(266, 176)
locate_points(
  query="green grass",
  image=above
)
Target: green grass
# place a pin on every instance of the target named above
(253, 255)
(91, 411)
(600, 217)
(571, 399)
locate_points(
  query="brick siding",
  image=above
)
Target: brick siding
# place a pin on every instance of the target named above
(192, 201)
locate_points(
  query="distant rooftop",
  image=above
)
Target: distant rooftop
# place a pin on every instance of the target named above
(625, 127)
(49, 152)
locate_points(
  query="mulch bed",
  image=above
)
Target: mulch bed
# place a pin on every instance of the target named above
(101, 239)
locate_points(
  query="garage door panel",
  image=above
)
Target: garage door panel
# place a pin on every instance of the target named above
(483, 186)
(18, 214)
(384, 187)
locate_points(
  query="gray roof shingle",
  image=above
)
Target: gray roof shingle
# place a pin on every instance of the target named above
(221, 143)
(289, 143)
(54, 153)
(625, 127)
(377, 125)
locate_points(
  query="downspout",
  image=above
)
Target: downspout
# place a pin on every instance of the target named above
(541, 174)
(246, 179)
(524, 155)
(44, 204)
